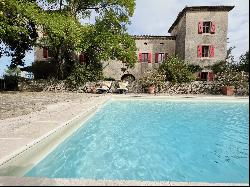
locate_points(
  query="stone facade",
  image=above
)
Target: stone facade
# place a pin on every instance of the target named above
(186, 40)
(144, 44)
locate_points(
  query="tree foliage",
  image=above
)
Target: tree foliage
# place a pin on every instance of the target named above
(17, 28)
(21, 20)
(176, 70)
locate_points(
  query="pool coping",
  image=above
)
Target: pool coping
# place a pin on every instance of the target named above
(74, 124)
(28, 181)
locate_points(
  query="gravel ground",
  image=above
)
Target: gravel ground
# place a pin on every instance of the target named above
(13, 104)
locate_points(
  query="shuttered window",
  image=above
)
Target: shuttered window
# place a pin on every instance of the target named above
(206, 51)
(206, 27)
(45, 52)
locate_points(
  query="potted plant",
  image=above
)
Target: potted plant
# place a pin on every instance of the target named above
(228, 90)
(230, 80)
(151, 80)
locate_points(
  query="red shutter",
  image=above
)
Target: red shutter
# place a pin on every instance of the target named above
(199, 51)
(212, 28)
(81, 58)
(210, 76)
(45, 52)
(211, 51)
(149, 57)
(199, 75)
(156, 57)
(140, 57)
(200, 27)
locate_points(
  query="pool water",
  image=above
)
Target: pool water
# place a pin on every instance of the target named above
(156, 140)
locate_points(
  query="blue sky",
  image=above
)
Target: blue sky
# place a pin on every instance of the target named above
(154, 17)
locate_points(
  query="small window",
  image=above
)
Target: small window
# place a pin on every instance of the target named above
(162, 43)
(144, 57)
(204, 76)
(206, 26)
(205, 51)
(145, 43)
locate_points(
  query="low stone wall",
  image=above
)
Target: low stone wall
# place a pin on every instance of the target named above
(197, 87)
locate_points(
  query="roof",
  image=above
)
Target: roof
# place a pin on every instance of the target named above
(199, 8)
(154, 37)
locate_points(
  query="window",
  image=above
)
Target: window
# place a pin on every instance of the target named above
(206, 27)
(205, 51)
(145, 43)
(162, 43)
(145, 57)
(204, 76)
(161, 57)
(47, 53)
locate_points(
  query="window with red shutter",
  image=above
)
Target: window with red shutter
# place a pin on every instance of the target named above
(149, 57)
(212, 28)
(199, 51)
(45, 52)
(200, 27)
(156, 57)
(211, 51)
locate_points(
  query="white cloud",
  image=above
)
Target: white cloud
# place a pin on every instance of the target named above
(155, 17)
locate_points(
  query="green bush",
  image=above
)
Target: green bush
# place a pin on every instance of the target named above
(82, 74)
(219, 67)
(109, 79)
(43, 70)
(11, 82)
(194, 68)
(176, 70)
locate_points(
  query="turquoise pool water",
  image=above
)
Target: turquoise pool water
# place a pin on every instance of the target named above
(156, 140)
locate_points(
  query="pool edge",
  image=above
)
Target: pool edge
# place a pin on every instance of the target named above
(18, 163)
(17, 181)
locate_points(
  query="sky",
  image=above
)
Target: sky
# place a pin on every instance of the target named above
(154, 17)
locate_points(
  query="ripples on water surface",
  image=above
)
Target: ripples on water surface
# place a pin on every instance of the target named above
(156, 140)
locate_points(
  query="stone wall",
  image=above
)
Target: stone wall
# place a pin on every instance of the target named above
(144, 44)
(197, 87)
(218, 39)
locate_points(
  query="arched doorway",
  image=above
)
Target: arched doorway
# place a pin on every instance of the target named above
(128, 77)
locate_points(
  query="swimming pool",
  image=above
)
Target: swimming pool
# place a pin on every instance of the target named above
(156, 140)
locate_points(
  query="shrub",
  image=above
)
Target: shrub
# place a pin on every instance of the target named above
(176, 70)
(82, 74)
(152, 78)
(43, 70)
(219, 67)
(109, 79)
(194, 68)
(11, 82)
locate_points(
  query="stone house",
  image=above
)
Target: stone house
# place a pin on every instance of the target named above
(198, 36)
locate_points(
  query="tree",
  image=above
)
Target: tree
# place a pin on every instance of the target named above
(63, 37)
(244, 62)
(17, 28)
(176, 70)
(106, 39)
